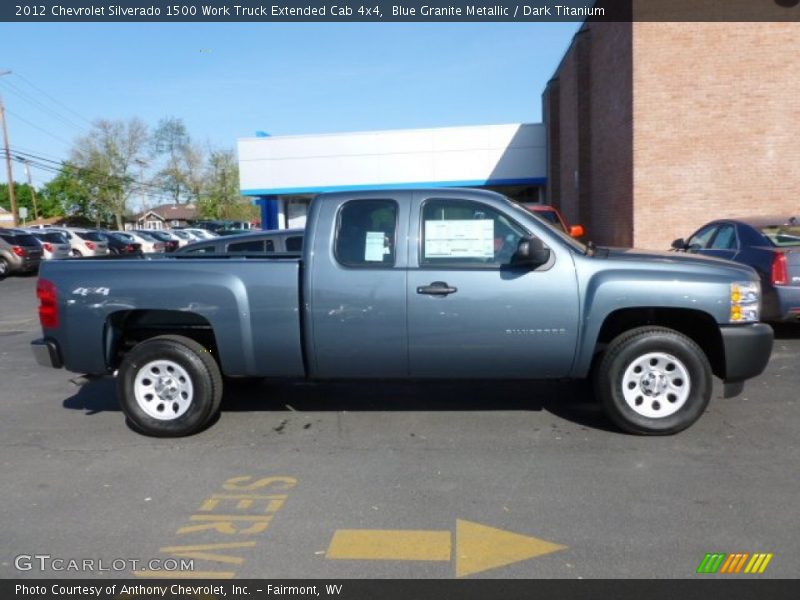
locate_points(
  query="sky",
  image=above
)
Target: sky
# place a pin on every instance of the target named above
(227, 81)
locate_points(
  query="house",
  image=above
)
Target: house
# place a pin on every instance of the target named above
(165, 216)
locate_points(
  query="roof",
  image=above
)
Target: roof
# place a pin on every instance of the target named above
(169, 212)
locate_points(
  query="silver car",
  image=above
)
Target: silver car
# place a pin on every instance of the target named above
(54, 244)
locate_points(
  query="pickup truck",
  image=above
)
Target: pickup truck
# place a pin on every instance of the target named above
(423, 284)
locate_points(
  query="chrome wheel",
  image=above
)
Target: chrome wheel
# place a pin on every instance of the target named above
(163, 389)
(656, 385)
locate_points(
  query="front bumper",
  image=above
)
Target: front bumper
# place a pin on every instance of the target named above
(46, 353)
(747, 350)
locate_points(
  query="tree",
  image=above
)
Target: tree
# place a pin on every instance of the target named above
(105, 161)
(172, 142)
(68, 194)
(221, 191)
(22, 191)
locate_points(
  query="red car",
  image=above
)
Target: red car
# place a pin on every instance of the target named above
(552, 216)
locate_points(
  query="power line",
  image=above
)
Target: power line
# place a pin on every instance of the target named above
(10, 87)
(35, 126)
(41, 91)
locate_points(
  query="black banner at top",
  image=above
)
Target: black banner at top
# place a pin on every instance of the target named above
(523, 11)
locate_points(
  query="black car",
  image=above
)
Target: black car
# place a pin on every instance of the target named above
(120, 245)
(771, 245)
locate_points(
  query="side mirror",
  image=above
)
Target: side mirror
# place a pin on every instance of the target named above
(679, 244)
(530, 252)
(576, 231)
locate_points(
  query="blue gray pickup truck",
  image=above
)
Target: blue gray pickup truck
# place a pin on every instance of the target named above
(422, 284)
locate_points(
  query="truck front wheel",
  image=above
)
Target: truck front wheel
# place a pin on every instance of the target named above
(653, 381)
(169, 386)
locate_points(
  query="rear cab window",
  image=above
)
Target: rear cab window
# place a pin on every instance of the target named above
(366, 232)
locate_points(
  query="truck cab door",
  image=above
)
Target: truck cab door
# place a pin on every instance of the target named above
(471, 314)
(355, 279)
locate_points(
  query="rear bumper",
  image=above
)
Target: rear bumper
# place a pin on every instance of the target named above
(747, 350)
(788, 303)
(46, 353)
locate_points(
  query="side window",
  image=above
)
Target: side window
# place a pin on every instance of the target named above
(463, 232)
(725, 238)
(294, 243)
(365, 233)
(700, 239)
(250, 246)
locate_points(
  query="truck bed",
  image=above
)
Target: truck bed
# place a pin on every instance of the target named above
(251, 304)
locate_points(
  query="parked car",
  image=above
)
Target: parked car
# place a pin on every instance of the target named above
(121, 245)
(55, 244)
(771, 245)
(170, 242)
(83, 242)
(279, 240)
(409, 284)
(184, 237)
(20, 252)
(148, 243)
(553, 216)
(200, 234)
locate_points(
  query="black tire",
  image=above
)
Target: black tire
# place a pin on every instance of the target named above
(677, 385)
(185, 356)
(75, 253)
(5, 268)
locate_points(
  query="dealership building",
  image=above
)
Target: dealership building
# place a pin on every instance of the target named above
(650, 130)
(283, 173)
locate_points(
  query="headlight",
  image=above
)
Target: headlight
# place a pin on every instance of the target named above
(745, 301)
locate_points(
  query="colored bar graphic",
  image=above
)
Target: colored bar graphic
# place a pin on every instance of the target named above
(711, 562)
(721, 562)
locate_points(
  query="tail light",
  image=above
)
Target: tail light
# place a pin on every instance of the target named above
(91, 245)
(18, 250)
(129, 248)
(779, 274)
(48, 247)
(48, 305)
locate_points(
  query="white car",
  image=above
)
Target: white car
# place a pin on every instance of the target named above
(200, 234)
(83, 242)
(184, 237)
(150, 245)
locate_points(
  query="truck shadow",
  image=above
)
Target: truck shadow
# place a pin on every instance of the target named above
(572, 401)
(786, 331)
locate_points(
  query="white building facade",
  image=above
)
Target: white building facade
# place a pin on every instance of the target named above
(282, 173)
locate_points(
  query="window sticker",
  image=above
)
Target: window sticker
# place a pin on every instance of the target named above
(375, 246)
(473, 238)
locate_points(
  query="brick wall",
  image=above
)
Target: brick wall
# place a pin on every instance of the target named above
(716, 124)
(661, 127)
(587, 108)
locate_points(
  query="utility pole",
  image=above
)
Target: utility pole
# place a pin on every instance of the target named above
(33, 192)
(12, 197)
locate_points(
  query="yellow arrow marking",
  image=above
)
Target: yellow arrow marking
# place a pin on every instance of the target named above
(478, 547)
(388, 544)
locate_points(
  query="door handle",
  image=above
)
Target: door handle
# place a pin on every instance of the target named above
(437, 288)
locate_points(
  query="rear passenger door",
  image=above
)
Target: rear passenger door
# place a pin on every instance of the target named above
(358, 291)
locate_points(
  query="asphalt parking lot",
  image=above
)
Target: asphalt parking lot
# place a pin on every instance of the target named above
(299, 480)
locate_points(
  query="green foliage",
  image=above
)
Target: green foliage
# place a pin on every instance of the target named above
(22, 192)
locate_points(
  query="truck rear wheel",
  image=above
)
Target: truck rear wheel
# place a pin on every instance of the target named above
(169, 386)
(653, 381)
